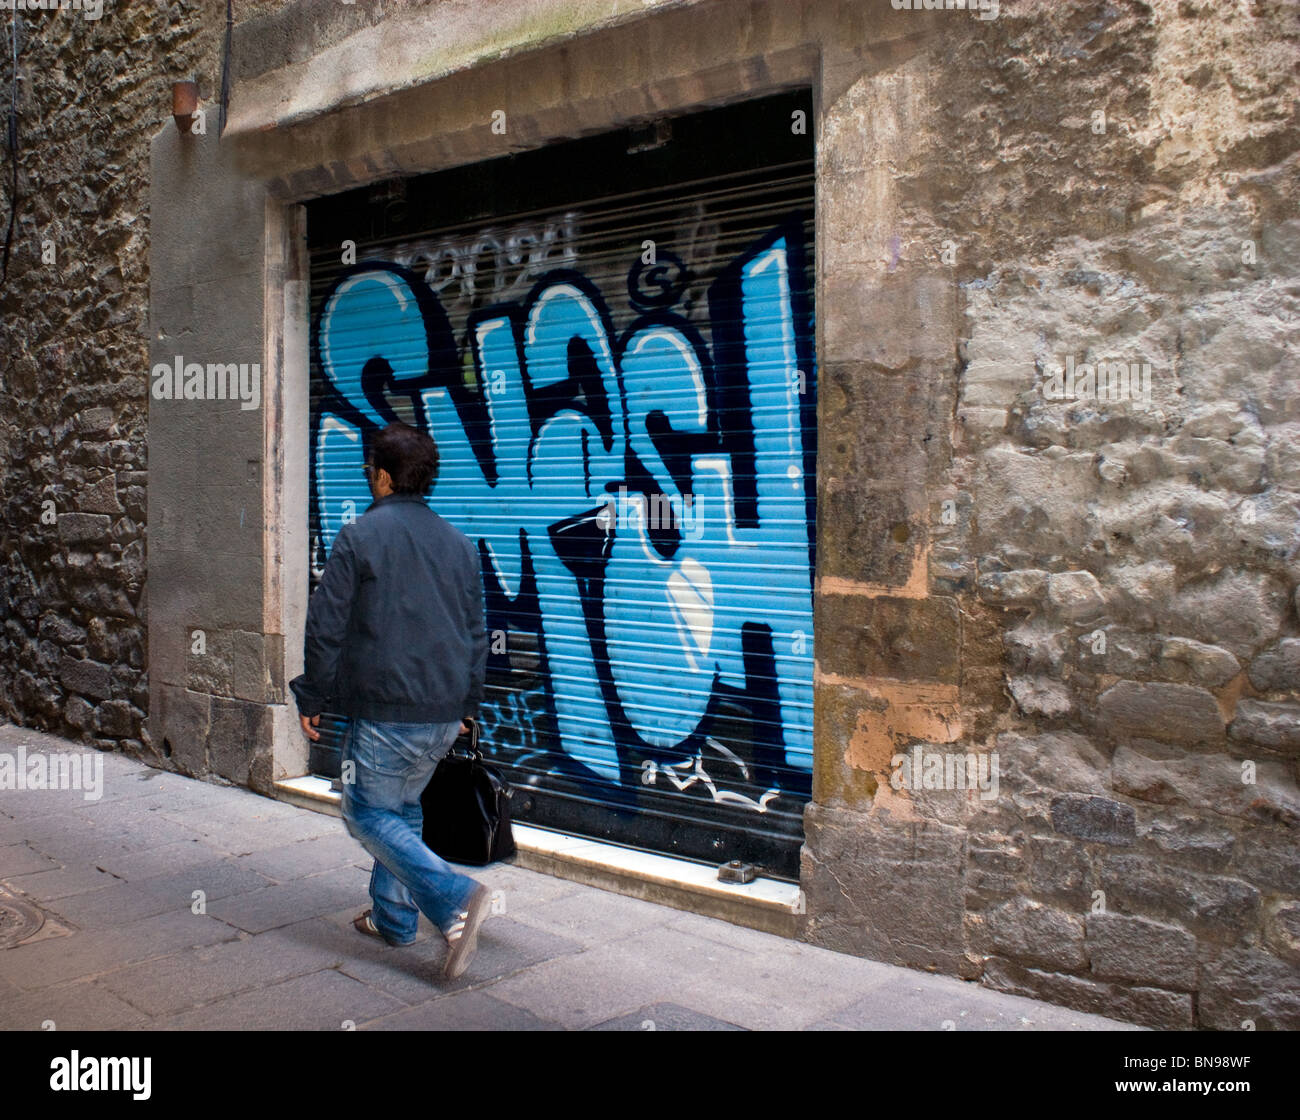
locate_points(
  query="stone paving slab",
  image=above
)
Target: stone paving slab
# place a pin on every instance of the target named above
(570, 916)
(36, 804)
(81, 1006)
(141, 788)
(247, 838)
(306, 857)
(134, 864)
(505, 949)
(128, 829)
(30, 828)
(927, 1003)
(23, 859)
(49, 886)
(186, 980)
(663, 965)
(518, 890)
(88, 953)
(282, 904)
(464, 1011)
(319, 1001)
(119, 904)
(217, 879)
(666, 1017)
(275, 947)
(74, 849)
(129, 900)
(242, 836)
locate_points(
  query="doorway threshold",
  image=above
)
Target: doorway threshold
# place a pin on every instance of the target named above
(770, 905)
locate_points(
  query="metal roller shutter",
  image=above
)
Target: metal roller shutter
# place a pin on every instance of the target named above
(614, 354)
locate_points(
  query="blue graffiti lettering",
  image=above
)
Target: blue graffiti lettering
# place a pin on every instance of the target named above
(644, 500)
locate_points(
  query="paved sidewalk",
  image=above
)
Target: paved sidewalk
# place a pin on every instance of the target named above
(128, 944)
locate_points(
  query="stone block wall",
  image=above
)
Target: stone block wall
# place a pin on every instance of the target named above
(1099, 596)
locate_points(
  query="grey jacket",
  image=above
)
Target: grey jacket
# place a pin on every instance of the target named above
(395, 629)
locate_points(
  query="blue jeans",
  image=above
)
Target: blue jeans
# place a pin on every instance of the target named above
(381, 809)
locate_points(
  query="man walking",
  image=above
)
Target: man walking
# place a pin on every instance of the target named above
(396, 641)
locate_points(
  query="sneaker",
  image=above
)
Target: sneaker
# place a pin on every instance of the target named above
(462, 937)
(365, 924)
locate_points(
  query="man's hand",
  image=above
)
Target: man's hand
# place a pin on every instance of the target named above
(309, 723)
(463, 729)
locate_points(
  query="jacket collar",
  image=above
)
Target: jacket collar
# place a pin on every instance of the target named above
(397, 498)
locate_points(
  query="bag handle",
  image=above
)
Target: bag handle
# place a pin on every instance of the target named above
(473, 751)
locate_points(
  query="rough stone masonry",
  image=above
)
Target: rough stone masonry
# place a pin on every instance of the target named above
(1102, 591)
(73, 364)
(1099, 585)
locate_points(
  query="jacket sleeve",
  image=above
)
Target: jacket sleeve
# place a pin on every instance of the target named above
(328, 614)
(475, 627)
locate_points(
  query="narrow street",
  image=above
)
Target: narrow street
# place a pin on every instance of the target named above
(128, 943)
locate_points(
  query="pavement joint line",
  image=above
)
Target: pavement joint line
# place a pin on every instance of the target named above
(243, 991)
(437, 992)
(362, 1024)
(342, 969)
(484, 985)
(127, 1000)
(92, 976)
(286, 979)
(581, 950)
(52, 991)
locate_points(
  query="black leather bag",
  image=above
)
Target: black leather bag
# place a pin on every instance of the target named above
(467, 808)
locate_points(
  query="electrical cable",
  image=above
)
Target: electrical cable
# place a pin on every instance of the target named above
(13, 157)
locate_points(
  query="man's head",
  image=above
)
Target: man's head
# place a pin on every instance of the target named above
(402, 460)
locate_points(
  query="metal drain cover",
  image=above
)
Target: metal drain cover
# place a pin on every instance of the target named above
(18, 921)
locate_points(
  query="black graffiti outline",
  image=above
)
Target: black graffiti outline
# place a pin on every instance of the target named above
(726, 388)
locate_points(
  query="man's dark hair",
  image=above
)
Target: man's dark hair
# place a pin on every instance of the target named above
(409, 455)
